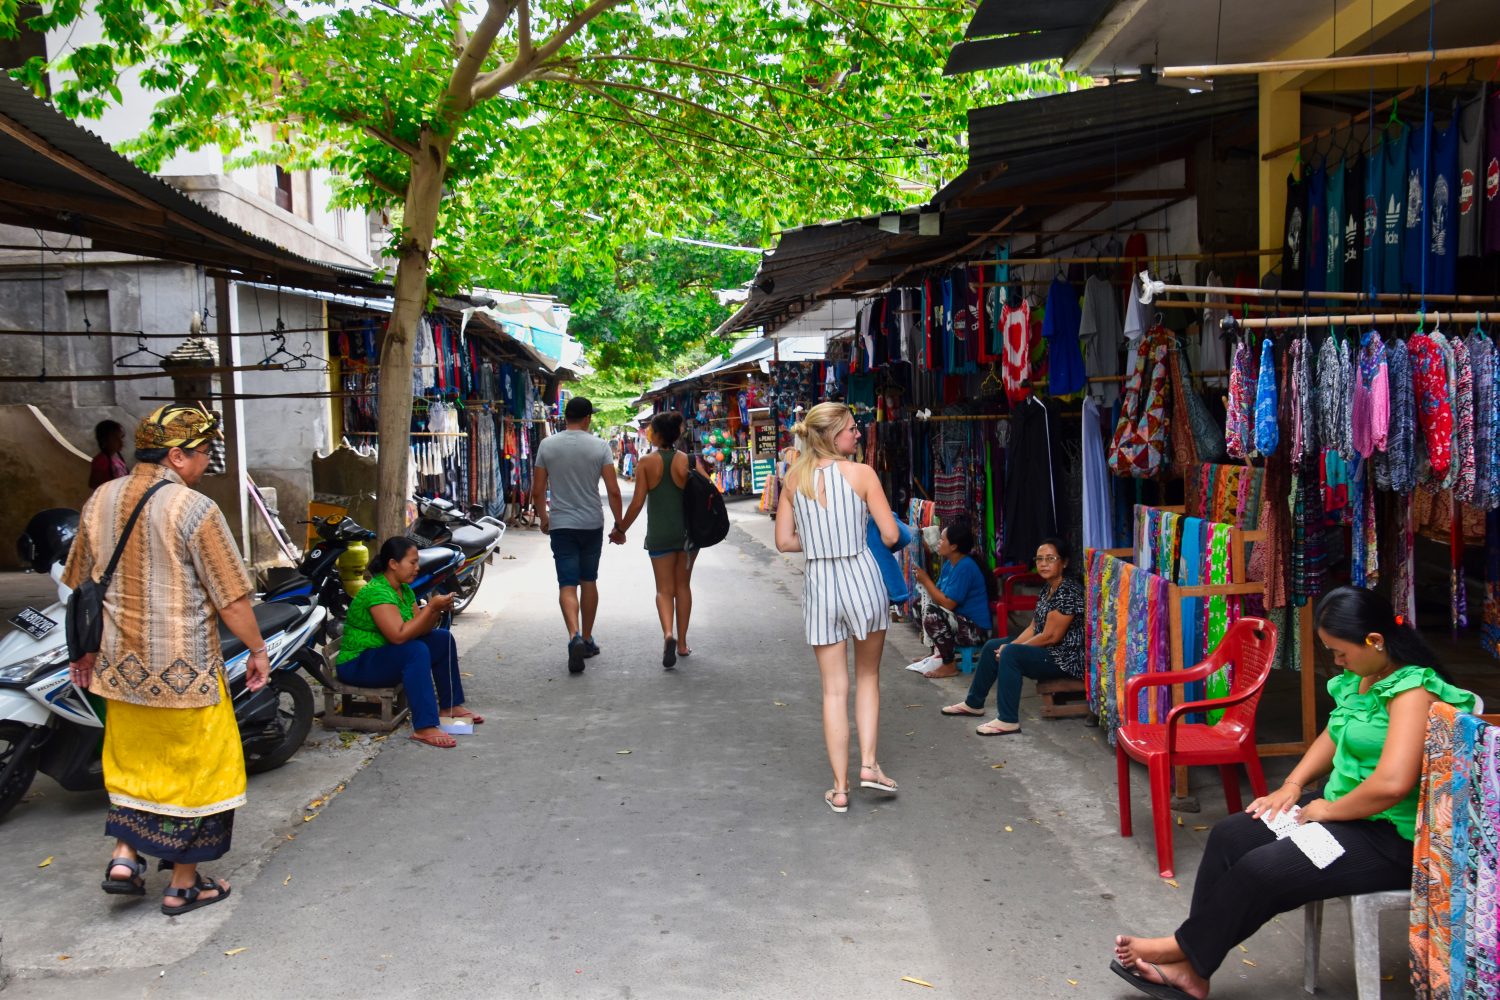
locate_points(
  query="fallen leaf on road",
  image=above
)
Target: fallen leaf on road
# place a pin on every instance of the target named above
(1072, 982)
(287, 880)
(309, 819)
(621, 753)
(912, 733)
(315, 803)
(1200, 829)
(1173, 883)
(914, 706)
(63, 958)
(916, 982)
(462, 673)
(1009, 830)
(291, 836)
(44, 864)
(234, 951)
(779, 704)
(1248, 962)
(1244, 949)
(996, 767)
(1179, 820)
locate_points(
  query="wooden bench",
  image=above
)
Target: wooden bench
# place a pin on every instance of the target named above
(371, 710)
(1064, 698)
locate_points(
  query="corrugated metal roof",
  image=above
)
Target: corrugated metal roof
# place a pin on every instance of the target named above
(1010, 32)
(60, 177)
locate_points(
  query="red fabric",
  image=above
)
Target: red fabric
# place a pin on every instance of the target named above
(1429, 376)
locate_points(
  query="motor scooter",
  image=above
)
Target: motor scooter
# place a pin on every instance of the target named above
(477, 536)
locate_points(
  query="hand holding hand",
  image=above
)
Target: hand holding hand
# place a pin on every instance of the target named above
(1276, 802)
(617, 536)
(82, 671)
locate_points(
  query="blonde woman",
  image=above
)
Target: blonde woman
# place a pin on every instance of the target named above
(823, 512)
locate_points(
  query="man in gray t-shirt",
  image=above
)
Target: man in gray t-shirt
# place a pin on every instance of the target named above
(571, 464)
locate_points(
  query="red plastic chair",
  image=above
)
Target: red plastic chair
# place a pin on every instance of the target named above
(1250, 644)
(1010, 578)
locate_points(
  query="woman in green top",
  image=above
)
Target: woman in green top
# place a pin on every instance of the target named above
(388, 638)
(1371, 758)
(659, 480)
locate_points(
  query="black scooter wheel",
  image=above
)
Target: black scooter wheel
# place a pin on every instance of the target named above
(294, 717)
(467, 591)
(11, 735)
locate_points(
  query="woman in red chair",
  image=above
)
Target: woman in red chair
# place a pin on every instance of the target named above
(1371, 758)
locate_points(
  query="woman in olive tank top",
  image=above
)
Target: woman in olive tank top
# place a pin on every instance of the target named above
(660, 477)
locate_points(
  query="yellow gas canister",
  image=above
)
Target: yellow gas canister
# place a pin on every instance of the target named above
(352, 567)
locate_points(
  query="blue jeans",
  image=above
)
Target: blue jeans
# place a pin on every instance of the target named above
(427, 666)
(1006, 662)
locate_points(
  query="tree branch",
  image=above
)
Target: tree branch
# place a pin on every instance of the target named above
(653, 92)
(460, 33)
(376, 182)
(493, 82)
(362, 123)
(523, 32)
(459, 97)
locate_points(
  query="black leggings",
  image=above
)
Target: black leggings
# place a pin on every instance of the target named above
(1247, 876)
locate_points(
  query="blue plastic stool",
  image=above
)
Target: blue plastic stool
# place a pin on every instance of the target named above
(967, 658)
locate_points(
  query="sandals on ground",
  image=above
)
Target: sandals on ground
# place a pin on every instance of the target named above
(191, 894)
(828, 797)
(135, 885)
(882, 781)
(961, 708)
(442, 741)
(992, 728)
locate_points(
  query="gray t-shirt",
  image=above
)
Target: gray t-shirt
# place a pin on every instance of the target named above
(574, 461)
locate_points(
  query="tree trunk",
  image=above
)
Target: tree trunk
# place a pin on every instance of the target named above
(419, 223)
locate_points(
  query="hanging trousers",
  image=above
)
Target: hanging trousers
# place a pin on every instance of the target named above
(1247, 877)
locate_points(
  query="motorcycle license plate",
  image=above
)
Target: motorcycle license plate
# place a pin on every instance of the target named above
(34, 623)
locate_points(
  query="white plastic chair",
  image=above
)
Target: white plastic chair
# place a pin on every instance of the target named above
(1364, 925)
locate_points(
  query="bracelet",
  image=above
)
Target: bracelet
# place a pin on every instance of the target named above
(254, 652)
(1299, 784)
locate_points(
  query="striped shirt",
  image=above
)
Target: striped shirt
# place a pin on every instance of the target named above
(161, 641)
(843, 593)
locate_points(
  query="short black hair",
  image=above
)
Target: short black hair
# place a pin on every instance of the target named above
(960, 534)
(104, 429)
(393, 549)
(579, 408)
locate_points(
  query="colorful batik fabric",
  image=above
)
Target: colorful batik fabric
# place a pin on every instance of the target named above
(1239, 426)
(1267, 432)
(1463, 423)
(1434, 415)
(1371, 414)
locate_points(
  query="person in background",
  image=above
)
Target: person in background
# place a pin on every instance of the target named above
(959, 612)
(823, 512)
(1369, 760)
(388, 638)
(659, 482)
(571, 464)
(1051, 646)
(108, 464)
(173, 764)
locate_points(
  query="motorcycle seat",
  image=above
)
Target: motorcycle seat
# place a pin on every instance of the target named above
(271, 618)
(434, 559)
(473, 540)
(291, 585)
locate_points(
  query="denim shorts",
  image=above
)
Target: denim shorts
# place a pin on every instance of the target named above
(576, 553)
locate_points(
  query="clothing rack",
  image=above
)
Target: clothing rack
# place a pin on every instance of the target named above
(415, 434)
(163, 373)
(1024, 261)
(1362, 319)
(1150, 288)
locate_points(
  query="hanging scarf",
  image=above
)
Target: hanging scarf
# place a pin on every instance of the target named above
(1304, 402)
(1404, 568)
(1267, 434)
(1482, 361)
(1400, 456)
(1450, 388)
(1463, 423)
(1372, 402)
(1434, 416)
(1330, 395)
(1364, 555)
(1240, 419)
(1219, 611)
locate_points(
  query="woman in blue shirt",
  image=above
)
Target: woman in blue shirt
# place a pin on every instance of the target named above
(959, 612)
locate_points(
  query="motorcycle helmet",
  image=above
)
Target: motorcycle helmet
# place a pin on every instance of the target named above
(47, 538)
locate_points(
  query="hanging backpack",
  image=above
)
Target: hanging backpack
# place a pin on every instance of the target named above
(703, 510)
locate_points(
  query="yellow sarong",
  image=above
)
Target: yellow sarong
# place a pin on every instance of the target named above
(182, 762)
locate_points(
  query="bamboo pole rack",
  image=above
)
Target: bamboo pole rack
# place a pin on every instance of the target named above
(1151, 287)
(1330, 63)
(1362, 319)
(155, 374)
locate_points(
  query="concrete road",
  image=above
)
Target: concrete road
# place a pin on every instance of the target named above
(632, 832)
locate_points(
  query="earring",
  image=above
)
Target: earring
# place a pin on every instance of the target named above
(1379, 648)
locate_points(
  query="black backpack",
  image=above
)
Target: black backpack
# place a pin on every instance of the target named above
(703, 510)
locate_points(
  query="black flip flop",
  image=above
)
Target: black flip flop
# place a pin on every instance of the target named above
(669, 654)
(1158, 991)
(191, 894)
(135, 885)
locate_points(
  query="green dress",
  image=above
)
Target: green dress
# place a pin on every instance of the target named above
(360, 631)
(1358, 729)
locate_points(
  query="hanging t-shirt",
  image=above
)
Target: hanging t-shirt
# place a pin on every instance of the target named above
(1293, 241)
(1372, 244)
(1413, 237)
(1137, 315)
(1015, 365)
(1354, 215)
(1490, 213)
(1470, 116)
(1101, 334)
(1442, 213)
(1060, 325)
(1333, 239)
(1393, 212)
(1314, 273)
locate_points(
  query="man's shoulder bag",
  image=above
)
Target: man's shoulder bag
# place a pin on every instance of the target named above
(85, 617)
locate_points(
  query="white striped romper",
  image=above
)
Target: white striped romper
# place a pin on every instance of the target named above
(844, 593)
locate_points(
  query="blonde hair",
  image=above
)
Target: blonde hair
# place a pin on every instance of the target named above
(817, 429)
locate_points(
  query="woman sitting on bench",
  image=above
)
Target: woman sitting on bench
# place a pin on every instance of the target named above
(1371, 758)
(388, 639)
(959, 612)
(1050, 648)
